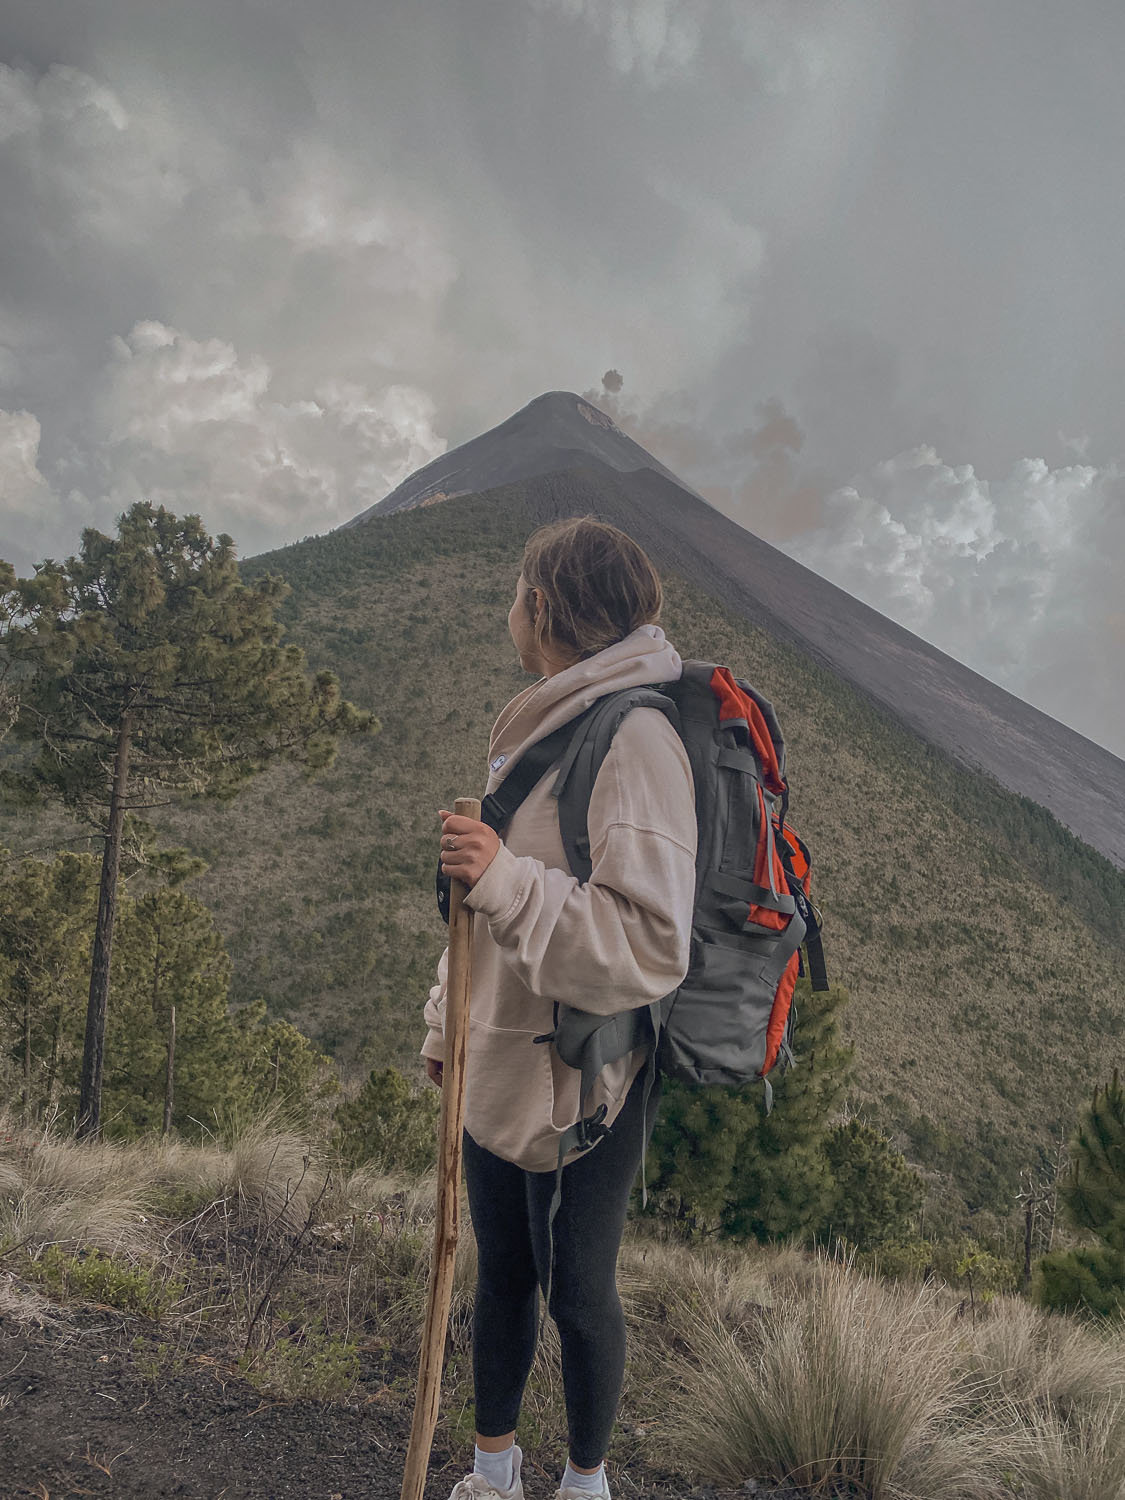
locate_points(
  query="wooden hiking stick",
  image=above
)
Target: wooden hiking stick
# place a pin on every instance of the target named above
(458, 985)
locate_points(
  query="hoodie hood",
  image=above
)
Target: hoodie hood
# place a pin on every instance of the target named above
(642, 659)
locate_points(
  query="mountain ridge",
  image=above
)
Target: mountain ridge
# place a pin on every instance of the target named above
(982, 944)
(545, 436)
(980, 724)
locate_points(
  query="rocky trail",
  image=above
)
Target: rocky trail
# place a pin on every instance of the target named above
(93, 1404)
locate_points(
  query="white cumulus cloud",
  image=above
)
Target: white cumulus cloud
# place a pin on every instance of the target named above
(1019, 577)
(191, 424)
(785, 46)
(33, 514)
(86, 163)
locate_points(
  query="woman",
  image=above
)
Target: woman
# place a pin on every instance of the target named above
(584, 623)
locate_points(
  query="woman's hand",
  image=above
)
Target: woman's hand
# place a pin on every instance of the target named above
(434, 1071)
(467, 847)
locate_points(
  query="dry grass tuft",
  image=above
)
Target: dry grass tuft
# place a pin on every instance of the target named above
(1082, 1458)
(1045, 1360)
(55, 1192)
(845, 1383)
(388, 1224)
(271, 1174)
(104, 1195)
(22, 1307)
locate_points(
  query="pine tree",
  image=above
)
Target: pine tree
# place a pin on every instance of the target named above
(281, 1069)
(699, 1135)
(389, 1122)
(875, 1194)
(782, 1183)
(45, 918)
(174, 1043)
(1093, 1191)
(1089, 1280)
(144, 670)
(1092, 1194)
(11, 606)
(719, 1162)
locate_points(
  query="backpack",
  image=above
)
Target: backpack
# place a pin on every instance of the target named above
(732, 1017)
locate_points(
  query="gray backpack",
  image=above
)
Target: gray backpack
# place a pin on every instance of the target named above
(732, 1017)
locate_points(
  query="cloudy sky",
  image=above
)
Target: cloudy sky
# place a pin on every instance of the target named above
(858, 263)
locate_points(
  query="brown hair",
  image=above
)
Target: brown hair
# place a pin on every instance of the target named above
(597, 584)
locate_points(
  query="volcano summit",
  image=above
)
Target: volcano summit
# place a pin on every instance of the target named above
(951, 707)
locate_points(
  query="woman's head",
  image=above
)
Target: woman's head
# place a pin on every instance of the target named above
(584, 586)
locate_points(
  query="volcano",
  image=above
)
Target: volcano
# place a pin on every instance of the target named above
(949, 706)
(555, 432)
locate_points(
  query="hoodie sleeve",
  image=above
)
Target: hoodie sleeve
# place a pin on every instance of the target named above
(623, 938)
(434, 1045)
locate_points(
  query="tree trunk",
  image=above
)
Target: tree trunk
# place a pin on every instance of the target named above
(169, 1074)
(27, 1056)
(90, 1098)
(56, 1042)
(1028, 1229)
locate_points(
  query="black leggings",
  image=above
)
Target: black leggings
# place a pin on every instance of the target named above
(509, 1209)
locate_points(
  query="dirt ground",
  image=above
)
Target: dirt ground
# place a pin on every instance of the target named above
(84, 1411)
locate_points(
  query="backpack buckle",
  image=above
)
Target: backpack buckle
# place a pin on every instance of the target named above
(493, 812)
(591, 1129)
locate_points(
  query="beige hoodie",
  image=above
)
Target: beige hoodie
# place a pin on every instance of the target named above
(618, 941)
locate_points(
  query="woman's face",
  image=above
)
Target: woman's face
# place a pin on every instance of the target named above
(521, 626)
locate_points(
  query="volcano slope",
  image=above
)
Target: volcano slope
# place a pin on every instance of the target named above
(981, 725)
(982, 943)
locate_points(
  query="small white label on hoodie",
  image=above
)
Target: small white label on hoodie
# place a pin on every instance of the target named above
(497, 763)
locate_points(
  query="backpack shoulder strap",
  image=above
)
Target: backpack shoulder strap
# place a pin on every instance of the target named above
(498, 807)
(574, 784)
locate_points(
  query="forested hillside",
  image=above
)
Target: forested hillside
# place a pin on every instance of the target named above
(985, 1003)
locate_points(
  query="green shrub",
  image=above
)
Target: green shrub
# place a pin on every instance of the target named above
(974, 1269)
(1089, 1280)
(876, 1194)
(1092, 1279)
(94, 1277)
(899, 1260)
(309, 1365)
(390, 1122)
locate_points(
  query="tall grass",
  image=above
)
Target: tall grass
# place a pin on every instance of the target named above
(1080, 1458)
(763, 1363)
(53, 1192)
(104, 1194)
(1046, 1361)
(847, 1384)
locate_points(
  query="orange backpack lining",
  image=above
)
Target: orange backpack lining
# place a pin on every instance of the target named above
(779, 1015)
(735, 706)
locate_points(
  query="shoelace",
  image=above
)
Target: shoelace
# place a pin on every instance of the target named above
(465, 1489)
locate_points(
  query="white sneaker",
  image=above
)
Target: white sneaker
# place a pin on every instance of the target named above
(476, 1487)
(573, 1494)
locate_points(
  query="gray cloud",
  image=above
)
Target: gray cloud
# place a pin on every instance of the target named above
(1018, 577)
(653, 39)
(257, 259)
